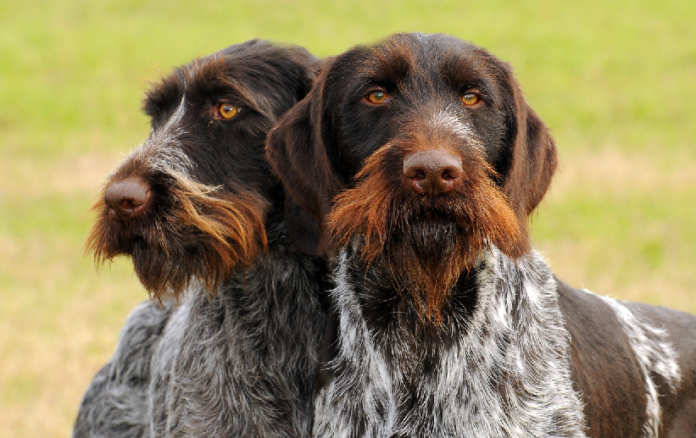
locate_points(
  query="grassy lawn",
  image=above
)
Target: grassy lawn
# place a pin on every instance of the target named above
(615, 81)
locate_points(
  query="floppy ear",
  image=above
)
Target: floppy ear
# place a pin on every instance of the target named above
(533, 158)
(302, 228)
(299, 69)
(296, 151)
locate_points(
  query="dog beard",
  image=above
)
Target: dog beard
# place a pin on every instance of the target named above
(425, 244)
(194, 232)
(426, 261)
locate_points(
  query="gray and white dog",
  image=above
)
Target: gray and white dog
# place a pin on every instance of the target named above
(229, 348)
(423, 161)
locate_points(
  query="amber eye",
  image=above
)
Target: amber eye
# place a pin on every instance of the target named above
(470, 99)
(227, 111)
(377, 97)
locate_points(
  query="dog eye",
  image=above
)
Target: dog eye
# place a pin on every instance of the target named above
(227, 111)
(377, 97)
(470, 99)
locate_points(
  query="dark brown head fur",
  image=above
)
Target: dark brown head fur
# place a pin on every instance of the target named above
(190, 202)
(342, 151)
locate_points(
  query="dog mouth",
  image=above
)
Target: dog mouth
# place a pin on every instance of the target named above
(420, 209)
(426, 255)
(431, 236)
(424, 241)
(408, 212)
(181, 231)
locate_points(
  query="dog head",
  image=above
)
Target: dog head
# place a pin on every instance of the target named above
(424, 147)
(190, 202)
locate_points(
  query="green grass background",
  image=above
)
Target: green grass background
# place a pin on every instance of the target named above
(614, 80)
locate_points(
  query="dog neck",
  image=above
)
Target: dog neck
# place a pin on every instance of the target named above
(498, 365)
(260, 336)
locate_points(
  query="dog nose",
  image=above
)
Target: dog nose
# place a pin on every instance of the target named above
(432, 172)
(127, 198)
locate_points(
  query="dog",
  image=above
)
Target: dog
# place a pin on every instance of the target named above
(422, 161)
(229, 344)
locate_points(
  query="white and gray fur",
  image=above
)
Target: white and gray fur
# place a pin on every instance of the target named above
(240, 364)
(507, 374)
(116, 402)
(655, 355)
(519, 354)
(240, 360)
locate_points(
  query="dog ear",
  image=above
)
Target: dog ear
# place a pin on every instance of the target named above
(296, 150)
(302, 228)
(304, 69)
(534, 158)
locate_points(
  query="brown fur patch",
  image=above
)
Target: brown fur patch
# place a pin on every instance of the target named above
(394, 225)
(329, 139)
(206, 236)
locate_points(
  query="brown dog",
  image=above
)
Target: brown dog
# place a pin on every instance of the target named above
(197, 209)
(423, 161)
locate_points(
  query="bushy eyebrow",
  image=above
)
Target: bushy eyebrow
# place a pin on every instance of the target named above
(386, 64)
(202, 79)
(459, 70)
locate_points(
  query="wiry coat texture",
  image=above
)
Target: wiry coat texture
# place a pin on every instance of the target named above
(230, 348)
(501, 369)
(243, 363)
(116, 403)
(423, 161)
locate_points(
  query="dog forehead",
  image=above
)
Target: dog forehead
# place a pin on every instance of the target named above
(210, 80)
(434, 57)
(220, 76)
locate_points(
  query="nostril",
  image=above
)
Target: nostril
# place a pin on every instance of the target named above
(127, 197)
(415, 173)
(451, 173)
(128, 204)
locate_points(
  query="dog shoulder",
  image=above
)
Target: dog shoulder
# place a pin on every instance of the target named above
(121, 385)
(604, 367)
(679, 328)
(615, 344)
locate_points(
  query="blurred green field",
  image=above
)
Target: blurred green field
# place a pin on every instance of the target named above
(615, 81)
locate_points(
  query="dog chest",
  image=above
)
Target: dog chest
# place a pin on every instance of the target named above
(508, 374)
